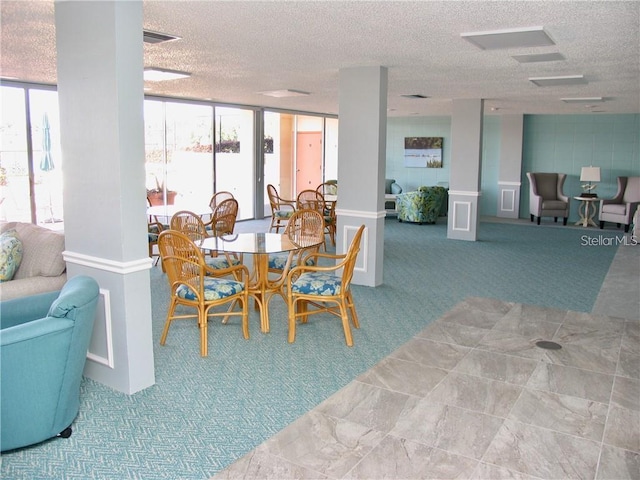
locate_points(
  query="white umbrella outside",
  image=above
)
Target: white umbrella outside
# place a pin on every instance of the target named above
(46, 162)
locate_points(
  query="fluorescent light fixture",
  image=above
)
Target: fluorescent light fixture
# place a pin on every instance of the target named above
(557, 81)
(284, 93)
(153, 74)
(156, 37)
(538, 57)
(582, 99)
(509, 38)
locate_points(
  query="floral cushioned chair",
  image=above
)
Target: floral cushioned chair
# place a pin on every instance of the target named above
(421, 206)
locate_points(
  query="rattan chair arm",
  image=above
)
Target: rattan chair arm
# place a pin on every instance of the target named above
(290, 204)
(223, 272)
(330, 256)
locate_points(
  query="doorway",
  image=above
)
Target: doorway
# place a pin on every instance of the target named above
(309, 160)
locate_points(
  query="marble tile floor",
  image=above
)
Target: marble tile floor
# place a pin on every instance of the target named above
(473, 397)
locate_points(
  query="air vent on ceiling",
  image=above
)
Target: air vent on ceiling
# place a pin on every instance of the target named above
(414, 95)
(156, 37)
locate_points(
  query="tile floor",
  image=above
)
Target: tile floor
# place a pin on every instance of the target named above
(473, 397)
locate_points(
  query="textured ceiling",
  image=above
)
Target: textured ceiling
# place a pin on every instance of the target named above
(236, 49)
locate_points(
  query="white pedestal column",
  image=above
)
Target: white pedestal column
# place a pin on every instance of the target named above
(464, 184)
(100, 88)
(510, 166)
(361, 167)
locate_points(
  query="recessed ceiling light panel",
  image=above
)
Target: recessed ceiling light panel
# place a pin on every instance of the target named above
(509, 38)
(538, 57)
(153, 74)
(284, 93)
(558, 81)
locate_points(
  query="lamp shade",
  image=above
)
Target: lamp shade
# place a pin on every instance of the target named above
(590, 174)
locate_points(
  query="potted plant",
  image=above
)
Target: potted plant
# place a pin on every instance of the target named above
(157, 195)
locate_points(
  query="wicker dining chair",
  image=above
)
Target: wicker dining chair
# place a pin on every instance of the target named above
(216, 199)
(281, 209)
(153, 232)
(314, 200)
(329, 187)
(191, 225)
(306, 227)
(324, 288)
(194, 284)
(223, 219)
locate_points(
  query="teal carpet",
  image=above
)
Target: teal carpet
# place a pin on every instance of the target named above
(203, 414)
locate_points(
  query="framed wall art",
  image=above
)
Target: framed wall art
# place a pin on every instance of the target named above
(423, 152)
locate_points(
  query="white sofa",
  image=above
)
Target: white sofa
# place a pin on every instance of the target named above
(42, 268)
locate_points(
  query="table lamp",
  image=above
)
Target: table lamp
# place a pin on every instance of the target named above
(589, 175)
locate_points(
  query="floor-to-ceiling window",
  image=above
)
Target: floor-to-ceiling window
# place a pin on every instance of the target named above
(235, 157)
(179, 151)
(30, 156)
(300, 151)
(192, 149)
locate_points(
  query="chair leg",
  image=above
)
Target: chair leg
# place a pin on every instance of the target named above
(292, 320)
(345, 325)
(555, 219)
(202, 324)
(531, 217)
(352, 308)
(245, 317)
(601, 224)
(626, 229)
(303, 308)
(167, 323)
(66, 433)
(564, 221)
(538, 220)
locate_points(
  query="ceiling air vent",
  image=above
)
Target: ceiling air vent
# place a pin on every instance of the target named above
(414, 95)
(156, 37)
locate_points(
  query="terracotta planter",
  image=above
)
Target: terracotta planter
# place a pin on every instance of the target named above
(157, 198)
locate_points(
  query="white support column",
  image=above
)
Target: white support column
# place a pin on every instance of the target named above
(100, 91)
(466, 156)
(361, 169)
(510, 166)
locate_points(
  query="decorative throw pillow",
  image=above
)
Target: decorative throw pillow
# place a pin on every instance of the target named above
(10, 254)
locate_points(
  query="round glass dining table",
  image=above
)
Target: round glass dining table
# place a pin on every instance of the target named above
(262, 286)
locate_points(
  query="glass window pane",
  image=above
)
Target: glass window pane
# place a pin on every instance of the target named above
(190, 152)
(47, 155)
(15, 204)
(235, 165)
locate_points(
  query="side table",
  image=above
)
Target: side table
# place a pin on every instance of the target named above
(587, 210)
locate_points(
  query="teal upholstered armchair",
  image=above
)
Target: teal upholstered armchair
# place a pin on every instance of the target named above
(43, 348)
(421, 206)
